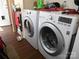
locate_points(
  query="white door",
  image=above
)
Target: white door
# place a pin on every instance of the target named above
(4, 14)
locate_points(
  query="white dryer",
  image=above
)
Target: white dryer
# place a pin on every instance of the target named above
(30, 23)
(55, 34)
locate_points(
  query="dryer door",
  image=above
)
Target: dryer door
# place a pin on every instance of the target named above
(28, 25)
(51, 39)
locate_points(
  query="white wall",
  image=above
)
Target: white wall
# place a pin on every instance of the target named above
(70, 3)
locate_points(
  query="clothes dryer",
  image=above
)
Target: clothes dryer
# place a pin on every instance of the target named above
(30, 23)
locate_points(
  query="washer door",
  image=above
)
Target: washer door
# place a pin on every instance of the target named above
(51, 39)
(28, 24)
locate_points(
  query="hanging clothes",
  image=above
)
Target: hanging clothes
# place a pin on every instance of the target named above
(16, 20)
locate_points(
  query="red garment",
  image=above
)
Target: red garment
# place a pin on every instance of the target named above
(16, 19)
(1, 43)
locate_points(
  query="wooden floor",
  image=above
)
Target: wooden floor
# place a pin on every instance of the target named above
(22, 48)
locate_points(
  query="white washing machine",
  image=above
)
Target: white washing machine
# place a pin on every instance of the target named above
(30, 23)
(55, 34)
(75, 50)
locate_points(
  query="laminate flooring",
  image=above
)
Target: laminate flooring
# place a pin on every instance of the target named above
(18, 49)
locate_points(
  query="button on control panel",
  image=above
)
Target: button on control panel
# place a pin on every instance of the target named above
(50, 17)
(68, 32)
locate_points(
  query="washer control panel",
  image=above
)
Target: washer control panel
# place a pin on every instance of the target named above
(65, 21)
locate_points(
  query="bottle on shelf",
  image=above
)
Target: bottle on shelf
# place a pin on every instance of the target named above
(64, 4)
(40, 4)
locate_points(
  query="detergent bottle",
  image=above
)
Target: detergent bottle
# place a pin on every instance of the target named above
(39, 4)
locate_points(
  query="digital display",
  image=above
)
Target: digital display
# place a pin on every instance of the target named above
(65, 20)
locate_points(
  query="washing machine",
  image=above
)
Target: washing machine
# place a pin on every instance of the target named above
(56, 33)
(30, 23)
(75, 50)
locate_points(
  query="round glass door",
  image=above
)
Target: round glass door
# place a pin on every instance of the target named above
(28, 24)
(51, 39)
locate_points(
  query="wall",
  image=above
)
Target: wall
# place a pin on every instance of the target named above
(28, 4)
(24, 4)
(70, 3)
(19, 2)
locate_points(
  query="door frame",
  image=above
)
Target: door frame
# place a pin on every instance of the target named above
(10, 3)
